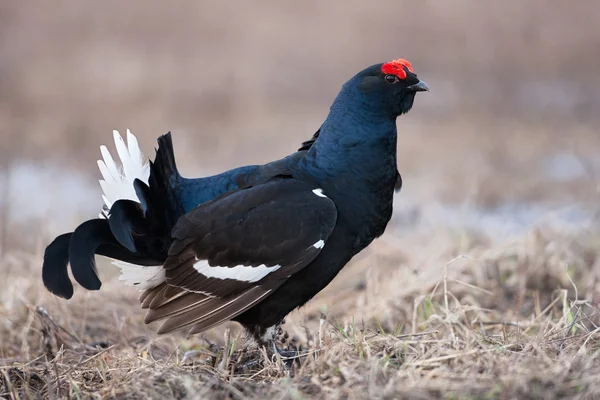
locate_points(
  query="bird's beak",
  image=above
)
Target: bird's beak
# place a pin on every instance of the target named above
(419, 87)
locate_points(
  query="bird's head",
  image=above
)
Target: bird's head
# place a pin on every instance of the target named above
(390, 87)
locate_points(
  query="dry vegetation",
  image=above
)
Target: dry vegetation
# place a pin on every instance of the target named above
(473, 292)
(513, 320)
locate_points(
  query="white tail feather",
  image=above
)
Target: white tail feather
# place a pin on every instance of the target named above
(117, 184)
(110, 172)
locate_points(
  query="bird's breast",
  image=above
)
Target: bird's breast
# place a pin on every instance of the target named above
(364, 207)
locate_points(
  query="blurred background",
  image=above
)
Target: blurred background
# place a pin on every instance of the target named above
(508, 135)
(500, 164)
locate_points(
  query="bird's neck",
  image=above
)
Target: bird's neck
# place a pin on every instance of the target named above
(354, 161)
(357, 139)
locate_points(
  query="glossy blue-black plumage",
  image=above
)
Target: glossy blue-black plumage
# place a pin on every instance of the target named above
(352, 158)
(354, 161)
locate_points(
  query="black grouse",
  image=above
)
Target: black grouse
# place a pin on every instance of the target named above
(253, 243)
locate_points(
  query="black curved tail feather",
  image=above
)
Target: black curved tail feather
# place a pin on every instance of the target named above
(86, 239)
(143, 194)
(54, 269)
(125, 218)
(79, 248)
(138, 233)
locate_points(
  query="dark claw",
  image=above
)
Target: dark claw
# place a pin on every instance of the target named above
(286, 355)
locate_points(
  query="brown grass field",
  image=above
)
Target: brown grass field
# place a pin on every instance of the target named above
(486, 284)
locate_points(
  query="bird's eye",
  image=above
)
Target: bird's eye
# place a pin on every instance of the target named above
(391, 78)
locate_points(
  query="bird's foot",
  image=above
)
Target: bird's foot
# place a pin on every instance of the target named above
(285, 354)
(287, 357)
(271, 338)
(273, 353)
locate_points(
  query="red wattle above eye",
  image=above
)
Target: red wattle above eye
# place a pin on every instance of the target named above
(396, 68)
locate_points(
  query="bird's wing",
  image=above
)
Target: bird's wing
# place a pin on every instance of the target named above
(308, 143)
(230, 253)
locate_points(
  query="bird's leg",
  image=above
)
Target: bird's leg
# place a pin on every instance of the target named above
(282, 337)
(268, 338)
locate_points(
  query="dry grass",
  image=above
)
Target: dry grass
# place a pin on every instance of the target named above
(468, 320)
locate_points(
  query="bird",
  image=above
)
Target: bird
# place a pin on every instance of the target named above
(254, 243)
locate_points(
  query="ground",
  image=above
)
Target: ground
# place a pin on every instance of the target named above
(516, 320)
